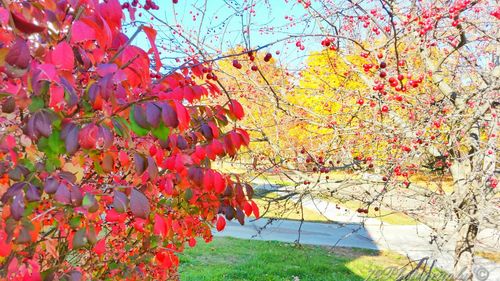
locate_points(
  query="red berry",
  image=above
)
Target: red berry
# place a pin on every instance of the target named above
(254, 68)
(236, 64)
(383, 65)
(268, 57)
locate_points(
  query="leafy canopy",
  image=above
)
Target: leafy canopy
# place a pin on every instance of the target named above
(104, 163)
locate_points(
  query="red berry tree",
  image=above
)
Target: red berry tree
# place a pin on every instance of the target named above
(105, 163)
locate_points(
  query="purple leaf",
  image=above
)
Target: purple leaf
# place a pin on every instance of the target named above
(71, 96)
(106, 86)
(30, 129)
(169, 116)
(17, 207)
(76, 196)
(71, 141)
(120, 201)
(93, 92)
(65, 129)
(19, 54)
(62, 194)
(181, 142)
(33, 193)
(140, 116)
(153, 114)
(50, 185)
(139, 204)
(75, 275)
(195, 174)
(140, 163)
(106, 135)
(206, 131)
(240, 216)
(14, 190)
(68, 176)
(43, 124)
(152, 168)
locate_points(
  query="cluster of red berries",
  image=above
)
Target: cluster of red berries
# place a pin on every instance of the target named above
(149, 5)
(251, 57)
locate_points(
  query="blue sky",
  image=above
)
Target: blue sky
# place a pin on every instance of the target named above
(221, 27)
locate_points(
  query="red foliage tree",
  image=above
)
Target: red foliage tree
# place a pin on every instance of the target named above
(104, 165)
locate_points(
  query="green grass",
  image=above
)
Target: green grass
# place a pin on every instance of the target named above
(238, 260)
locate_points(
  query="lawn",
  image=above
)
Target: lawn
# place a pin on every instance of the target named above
(238, 260)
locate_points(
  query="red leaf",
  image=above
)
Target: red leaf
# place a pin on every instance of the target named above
(4, 16)
(5, 247)
(217, 147)
(100, 247)
(138, 66)
(113, 216)
(182, 116)
(63, 57)
(151, 34)
(48, 72)
(26, 26)
(255, 209)
(215, 130)
(56, 98)
(139, 204)
(236, 109)
(208, 180)
(168, 187)
(235, 139)
(192, 242)
(111, 11)
(123, 158)
(219, 183)
(229, 146)
(88, 136)
(139, 224)
(221, 223)
(81, 32)
(159, 228)
(247, 207)
(244, 136)
(188, 94)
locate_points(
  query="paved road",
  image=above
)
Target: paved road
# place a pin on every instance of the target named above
(408, 240)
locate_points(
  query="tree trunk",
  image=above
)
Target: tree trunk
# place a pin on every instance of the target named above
(466, 239)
